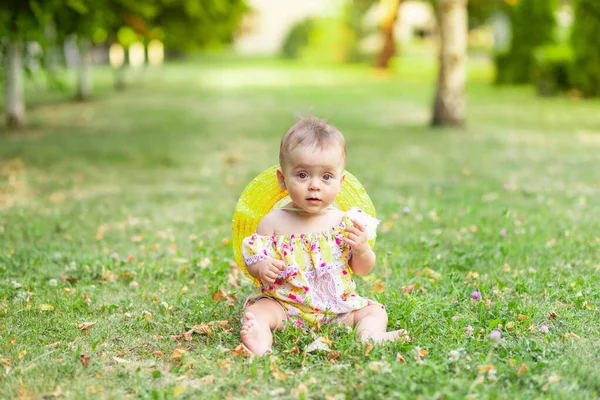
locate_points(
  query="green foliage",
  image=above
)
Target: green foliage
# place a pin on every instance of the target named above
(297, 38)
(586, 44)
(533, 25)
(190, 25)
(331, 39)
(553, 66)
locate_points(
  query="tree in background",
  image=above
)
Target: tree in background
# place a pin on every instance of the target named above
(585, 39)
(20, 22)
(387, 27)
(193, 25)
(449, 105)
(533, 25)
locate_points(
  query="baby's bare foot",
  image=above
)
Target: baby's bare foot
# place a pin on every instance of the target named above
(256, 338)
(381, 337)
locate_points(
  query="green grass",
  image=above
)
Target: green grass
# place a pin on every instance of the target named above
(154, 173)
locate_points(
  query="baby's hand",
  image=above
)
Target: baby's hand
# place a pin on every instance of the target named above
(357, 239)
(268, 269)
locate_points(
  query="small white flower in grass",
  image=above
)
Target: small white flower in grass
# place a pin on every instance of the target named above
(15, 284)
(454, 355)
(469, 331)
(115, 256)
(544, 329)
(53, 282)
(503, 232)
(495, 335)
(506, 186)
(406, 210)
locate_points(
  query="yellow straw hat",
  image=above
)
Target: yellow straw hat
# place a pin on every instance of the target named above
(264, 192)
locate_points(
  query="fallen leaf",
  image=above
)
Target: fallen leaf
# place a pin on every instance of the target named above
(84, 326)
(552, 315)
(242, 350)
(203, 328)
(46, 307)
(379, 287)
(400, 358)
(225, 363)
(22, 354)
(121, 360)
(158, 354)
(571, 334)
(379, 366)
(522, 368)
(177, 354)
(369, 348)
(334, 355)
(277, 374)
(510, 325)
(177, 390)
(208, 379)
(422, 353)
(223, 324)
(485, 368)
(85, 360)
(69, 291)
(12, 341)
(522, 317)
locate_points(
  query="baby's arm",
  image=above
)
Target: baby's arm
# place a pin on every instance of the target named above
(363, 257)
(267, 269)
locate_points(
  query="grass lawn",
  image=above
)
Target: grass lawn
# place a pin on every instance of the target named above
(117, 212)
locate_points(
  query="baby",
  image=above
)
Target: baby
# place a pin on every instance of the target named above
(305, 253)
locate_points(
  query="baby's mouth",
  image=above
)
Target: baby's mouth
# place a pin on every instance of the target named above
(313, 200)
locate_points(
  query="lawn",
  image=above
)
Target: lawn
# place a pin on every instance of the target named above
(118, 212)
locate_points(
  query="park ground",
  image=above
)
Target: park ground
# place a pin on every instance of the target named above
(117, 277)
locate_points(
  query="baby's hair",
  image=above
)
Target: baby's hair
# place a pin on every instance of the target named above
(311, 131)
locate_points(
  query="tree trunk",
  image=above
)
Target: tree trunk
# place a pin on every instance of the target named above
(84, 82)
(14, 107)
(387, 26)
(449, 106)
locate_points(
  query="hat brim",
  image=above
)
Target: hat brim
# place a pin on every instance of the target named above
(264, 192)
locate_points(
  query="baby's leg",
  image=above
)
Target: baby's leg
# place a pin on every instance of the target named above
(371, 323)
(260, 319)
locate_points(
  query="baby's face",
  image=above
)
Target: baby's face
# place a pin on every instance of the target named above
(313, 176)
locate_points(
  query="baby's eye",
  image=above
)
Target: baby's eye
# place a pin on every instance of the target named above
(327, 177)
(302, 175)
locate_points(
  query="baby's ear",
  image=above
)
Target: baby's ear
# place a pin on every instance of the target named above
(343, 177)
(281, 179)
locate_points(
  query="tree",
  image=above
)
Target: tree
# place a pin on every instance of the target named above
(20, 22)
(533, 25)
(387, 26)
(449, 105)
(586, 45)
(193, 25)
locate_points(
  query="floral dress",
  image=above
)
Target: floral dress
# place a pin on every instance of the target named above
(317, 284)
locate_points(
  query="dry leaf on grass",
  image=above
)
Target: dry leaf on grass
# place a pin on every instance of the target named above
(84, 326)
(400, 358)
(208, 379)
(277, 374)
(242, 350)
(369, 347)
(177, 354)
(379, 287)
(85, 360)
(522, 368)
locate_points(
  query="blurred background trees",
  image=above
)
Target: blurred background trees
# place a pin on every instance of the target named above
(550, 44)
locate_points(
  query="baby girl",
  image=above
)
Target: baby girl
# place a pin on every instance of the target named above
(305, 253)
